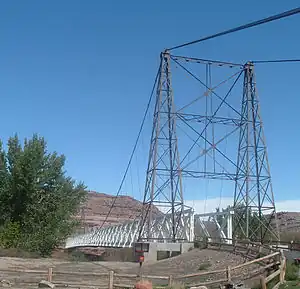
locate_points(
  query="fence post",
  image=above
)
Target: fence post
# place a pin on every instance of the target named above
(282, 267)
(283, 270)
(263, 283)
(49, 276)
(248, 249)
(170, 280)
(111, 280)
(260, 250)
(281, 273)
(228, 273)
(234, 246)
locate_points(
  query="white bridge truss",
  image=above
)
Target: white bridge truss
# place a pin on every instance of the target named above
(126, 234)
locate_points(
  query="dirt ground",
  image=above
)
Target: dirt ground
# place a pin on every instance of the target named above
(190, 262)
(11, 270)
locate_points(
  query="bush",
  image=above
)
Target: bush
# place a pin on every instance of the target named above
(204, 266)
(201, 244)
(291, 272)
(78, 256)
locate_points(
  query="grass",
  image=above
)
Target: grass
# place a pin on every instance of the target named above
(291, 277)
(291, 272)
(204, 266)
(290, 285)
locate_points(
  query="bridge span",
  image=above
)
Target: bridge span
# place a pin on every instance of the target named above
(126, 234)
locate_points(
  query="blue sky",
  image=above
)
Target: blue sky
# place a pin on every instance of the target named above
(80, 73)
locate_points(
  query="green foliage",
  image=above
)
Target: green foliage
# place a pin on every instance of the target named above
(37, 200)
(290, 285)
(77, 256)
(200, 244)
(291, 273)
(273, 282)
(204, 266)
(291, 277)
(10, 235)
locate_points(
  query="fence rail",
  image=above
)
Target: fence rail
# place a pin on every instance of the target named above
(268, 267)
(275, 245)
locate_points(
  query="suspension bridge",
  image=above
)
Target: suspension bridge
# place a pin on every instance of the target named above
(215, 134)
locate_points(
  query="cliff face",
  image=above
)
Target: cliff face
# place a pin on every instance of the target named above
(289, 222)
(94, 212)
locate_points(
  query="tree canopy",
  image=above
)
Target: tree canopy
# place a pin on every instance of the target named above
(37, 200)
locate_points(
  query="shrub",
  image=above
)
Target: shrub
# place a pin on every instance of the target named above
(204, 266)
(291, 272)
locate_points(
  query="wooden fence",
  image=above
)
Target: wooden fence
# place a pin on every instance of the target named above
(268, 268)
(274, 260)
(250, 250)
(262, 261)
(280, 272)
(276, 245)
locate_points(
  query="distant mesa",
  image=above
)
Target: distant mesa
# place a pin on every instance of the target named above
(94, 212)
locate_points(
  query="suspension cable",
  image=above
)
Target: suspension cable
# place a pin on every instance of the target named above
(133, 151)
(242, 27)
(275, 61)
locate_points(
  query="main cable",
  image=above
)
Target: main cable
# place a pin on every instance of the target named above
(242, 27)
(275, 61)
(133, 151)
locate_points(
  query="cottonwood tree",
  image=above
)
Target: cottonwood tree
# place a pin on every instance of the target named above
(38, 201)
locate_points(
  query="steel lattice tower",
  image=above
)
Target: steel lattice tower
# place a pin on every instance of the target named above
(163, 182)
(208, 122)
(253, 198)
